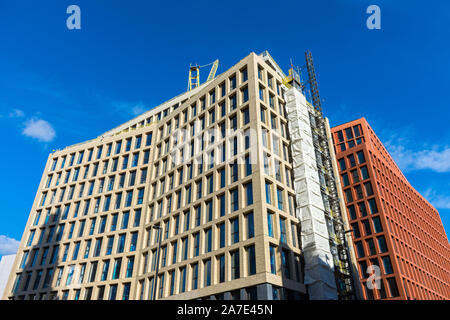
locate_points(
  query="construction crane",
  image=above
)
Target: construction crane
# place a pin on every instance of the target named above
(194, 74)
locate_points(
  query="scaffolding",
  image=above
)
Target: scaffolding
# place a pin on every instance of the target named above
(333, 214)
(328, 186)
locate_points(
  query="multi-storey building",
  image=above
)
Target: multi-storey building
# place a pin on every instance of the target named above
(394, 228)
(200, 197)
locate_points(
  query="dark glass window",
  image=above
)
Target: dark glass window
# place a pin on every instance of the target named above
(342, 164)
(387, 265)
(371, 246)
(351, 159)
(382, 244)
(360, 249)
(361, 157)
(393, 287)
(377, 225)
(356, 232)
(345, 180)
(364, 173)
(362, 209)
(373, 206)
(352, 212)
(367, 229)
(349, 133)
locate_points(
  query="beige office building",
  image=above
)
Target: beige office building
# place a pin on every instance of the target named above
(224, 182)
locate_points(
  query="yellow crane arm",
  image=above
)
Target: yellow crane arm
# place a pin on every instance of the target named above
(212, 73)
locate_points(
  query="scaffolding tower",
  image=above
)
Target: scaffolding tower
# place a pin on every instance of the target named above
(333, 215)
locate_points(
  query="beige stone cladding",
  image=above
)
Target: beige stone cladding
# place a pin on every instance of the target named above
(225, 227)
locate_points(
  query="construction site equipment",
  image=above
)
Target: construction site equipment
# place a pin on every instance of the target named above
(336, 228)
(194, 74)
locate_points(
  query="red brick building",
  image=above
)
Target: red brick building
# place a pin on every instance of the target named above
(394, 227)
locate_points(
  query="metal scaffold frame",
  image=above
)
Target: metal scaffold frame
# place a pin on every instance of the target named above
(333, 215)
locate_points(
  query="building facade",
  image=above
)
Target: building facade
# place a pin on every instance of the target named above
(198, 198)
(394, 227)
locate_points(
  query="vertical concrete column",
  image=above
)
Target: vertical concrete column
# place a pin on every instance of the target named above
(319, 266)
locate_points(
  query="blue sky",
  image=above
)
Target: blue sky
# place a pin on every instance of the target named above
(60, 86)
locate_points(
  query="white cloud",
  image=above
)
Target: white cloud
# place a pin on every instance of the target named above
(39, 129)
(138, 109)
(16, 113)
(130, 108)
(438, 200)
(8, 245)
(434, 158)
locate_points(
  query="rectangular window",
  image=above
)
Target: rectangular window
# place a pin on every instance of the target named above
(209, 210)
(345, 180)
(233, 104)
(121, 244)
(196, 244)
(250, 225)
(182, 287)
(272, 253)
(268, 193)
(222, 177)
(285, 263)
(208, 239)
(133, 243)
(235, 272)
(222, 235)
(118, 146)
(387, 265)
(248, 193)
(371, 245)
(367, 229)
(283, 230)
(373, 206)
(355, 229)
(270, 224)
(130, 267)
(148, 140)
(137, 143)
(393, 287)
(234, 230)
(360, 249)
(364, 173)
(382, 244)
(377, 225)
(369, 190)
(195, 276)
(174, 252)
(222, 270)
(280, 199)
(342, 164)
(251, 262)
(207, 272)
(116, 270)
(361, 158)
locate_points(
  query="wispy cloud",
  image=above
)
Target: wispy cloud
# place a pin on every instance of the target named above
(8, 245)
(16, 113)
(410, 154)
(39, 129)
(440, 201)
(138, 109)
(435, 158)
(129, 108)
